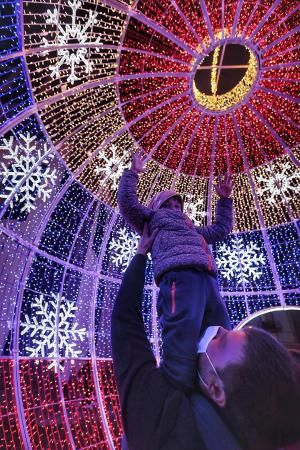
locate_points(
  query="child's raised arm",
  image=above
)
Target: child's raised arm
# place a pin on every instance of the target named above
(222, 224)
(130, 207)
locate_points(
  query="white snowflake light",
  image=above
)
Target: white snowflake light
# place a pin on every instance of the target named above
(195, 210)
(52, 327)
(111, 167)
(240, 261)
(279, 185)
(123, 247)
(27, 176)
(68, 34)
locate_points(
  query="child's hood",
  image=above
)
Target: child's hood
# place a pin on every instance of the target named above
(158, 199)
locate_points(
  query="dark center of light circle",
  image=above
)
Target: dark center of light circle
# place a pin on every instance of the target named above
(224, 76)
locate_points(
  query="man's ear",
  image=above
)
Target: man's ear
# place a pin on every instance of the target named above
(216, 391)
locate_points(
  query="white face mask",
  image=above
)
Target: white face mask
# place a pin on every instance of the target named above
(206, 337)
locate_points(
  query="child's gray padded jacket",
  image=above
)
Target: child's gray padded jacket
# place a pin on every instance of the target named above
(179, 243)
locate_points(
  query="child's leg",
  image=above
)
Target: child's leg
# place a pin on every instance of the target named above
(181, 306)
(215, 312)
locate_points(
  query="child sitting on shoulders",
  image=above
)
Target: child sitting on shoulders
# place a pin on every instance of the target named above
(184, 268)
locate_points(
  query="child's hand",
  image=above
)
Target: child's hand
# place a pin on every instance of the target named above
(224, 188)
(137, 163)
(146, 241)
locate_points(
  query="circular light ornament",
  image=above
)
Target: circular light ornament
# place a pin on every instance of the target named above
(225, 76)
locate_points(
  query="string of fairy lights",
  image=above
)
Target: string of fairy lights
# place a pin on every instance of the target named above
(84, 85)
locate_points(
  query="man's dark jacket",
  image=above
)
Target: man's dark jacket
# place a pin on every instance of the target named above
(156, 414)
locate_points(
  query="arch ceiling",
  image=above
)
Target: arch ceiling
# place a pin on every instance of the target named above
(197, 88)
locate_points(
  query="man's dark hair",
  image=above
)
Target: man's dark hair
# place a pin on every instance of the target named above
(263, 394)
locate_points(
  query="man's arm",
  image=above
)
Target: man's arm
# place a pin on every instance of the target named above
(141, 387)
(129, 205)
(152, 410)
(130, 346)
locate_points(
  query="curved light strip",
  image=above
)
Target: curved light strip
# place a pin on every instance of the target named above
(214, 84)
(244, 322)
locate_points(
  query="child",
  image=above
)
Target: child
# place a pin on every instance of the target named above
(184, 269)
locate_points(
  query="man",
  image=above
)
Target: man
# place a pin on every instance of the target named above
(245, 402)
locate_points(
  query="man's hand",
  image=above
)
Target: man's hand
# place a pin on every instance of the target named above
(224, 188)
(137, 163)
(146, 241)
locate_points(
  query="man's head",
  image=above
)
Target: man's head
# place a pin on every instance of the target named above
(253, 379)
(224, 348)
(166, 199)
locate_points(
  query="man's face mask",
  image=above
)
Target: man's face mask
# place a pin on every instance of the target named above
(206, 337)
(204, 341)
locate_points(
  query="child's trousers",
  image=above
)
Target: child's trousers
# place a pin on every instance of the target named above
(189, 301)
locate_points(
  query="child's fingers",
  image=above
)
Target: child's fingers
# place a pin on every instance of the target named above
(216, 186)
(146, 159)
(136, 157)
(138, 161)
(145, 230)
(229, 178)
(153, 236)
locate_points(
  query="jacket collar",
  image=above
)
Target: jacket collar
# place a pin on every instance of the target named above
(214, 431)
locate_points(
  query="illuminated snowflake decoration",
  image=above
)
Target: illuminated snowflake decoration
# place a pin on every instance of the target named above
(111, 167)
(240, 261)
(195, 210)
(52, 329)
(27, 176)
(68, 34)
(280, 184)
(123, 247)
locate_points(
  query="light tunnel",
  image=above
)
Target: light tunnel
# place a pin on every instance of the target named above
(198, 88)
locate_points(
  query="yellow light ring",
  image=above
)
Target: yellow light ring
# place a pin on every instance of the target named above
(225, 101)
(214, 85)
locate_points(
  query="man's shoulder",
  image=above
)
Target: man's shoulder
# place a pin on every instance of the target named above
(177, 429)
(211, 425)
(163, 416)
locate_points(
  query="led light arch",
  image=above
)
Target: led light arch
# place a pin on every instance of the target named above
(84, 85)
(261, 313)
